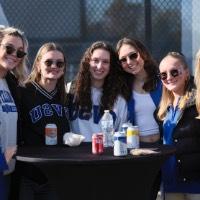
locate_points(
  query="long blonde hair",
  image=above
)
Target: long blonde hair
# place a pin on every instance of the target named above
(35, 74)
(19, 71)
(197, 81)
(167, 96)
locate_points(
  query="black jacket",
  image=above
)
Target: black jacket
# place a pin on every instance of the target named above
(52, 110)
(186, 139)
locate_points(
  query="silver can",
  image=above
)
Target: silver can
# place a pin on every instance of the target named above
(132, 137)
(120, 147)
(51, 134)
(125, 126)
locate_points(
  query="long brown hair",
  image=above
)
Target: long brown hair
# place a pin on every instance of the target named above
(111, 86)
(150, 66)
(35, 74)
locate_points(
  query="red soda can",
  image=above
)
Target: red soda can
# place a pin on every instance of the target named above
(94, 143)
(97, 143)
(100, 142)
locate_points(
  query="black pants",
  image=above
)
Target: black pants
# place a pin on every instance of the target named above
(33, 191)
(157, 181)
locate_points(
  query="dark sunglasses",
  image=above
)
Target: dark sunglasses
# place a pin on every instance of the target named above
(10, 50)
(58, 63)
(173, 72)
(131, 56)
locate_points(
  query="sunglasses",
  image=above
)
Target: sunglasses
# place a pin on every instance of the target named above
(131, 56)
(174, 73)
(10, 50)
(58, 63)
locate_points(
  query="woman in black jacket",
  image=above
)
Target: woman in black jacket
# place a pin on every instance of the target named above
(43, 101)
(181, 128)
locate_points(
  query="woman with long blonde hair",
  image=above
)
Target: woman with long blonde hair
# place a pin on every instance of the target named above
(180, 128)
(13, 50)
(197, 81)
(42, 102)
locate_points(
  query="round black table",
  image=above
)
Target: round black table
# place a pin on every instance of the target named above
(78, 174)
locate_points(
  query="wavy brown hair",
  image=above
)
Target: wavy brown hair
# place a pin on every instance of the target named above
(82, 85)
(35, 74)
(150, 66)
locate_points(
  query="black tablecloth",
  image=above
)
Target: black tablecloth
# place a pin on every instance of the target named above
(77, 173)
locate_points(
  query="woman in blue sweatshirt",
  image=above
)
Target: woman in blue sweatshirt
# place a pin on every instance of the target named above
(177, 112)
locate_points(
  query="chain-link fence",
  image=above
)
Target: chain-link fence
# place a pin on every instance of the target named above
(76, 24)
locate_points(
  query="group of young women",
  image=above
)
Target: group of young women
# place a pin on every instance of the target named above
(162, 100)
